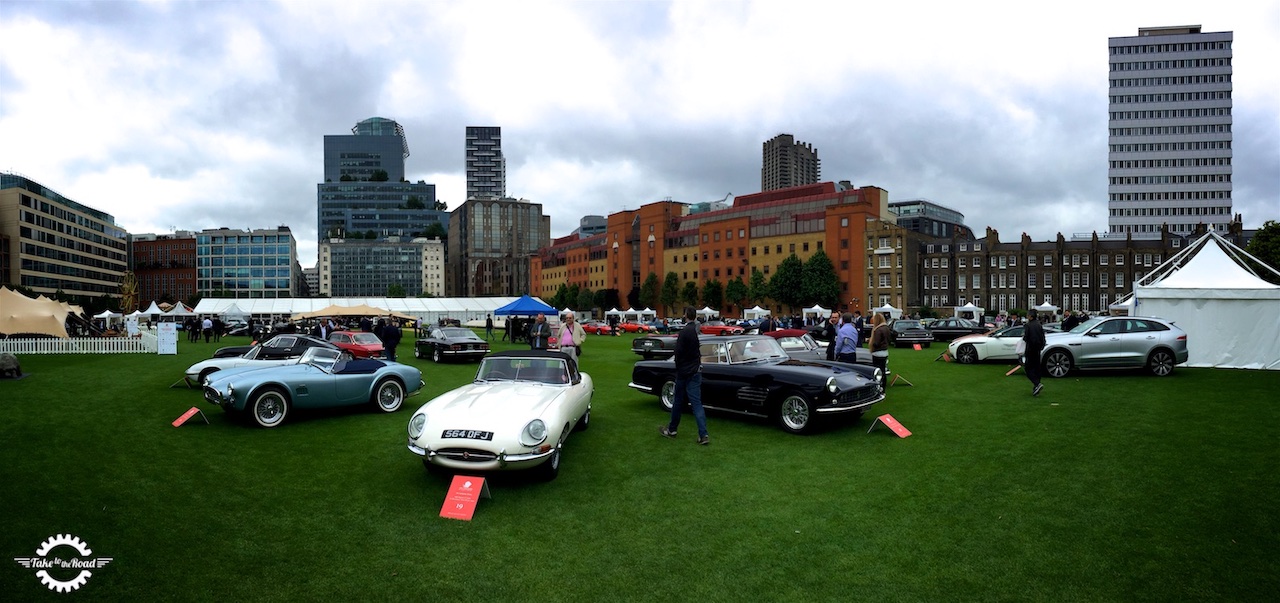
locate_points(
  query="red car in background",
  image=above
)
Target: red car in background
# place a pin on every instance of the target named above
(635, 327)
(359, 343)
(718, 327)
(596, 327)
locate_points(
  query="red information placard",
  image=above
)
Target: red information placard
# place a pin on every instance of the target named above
(916, 347)
(891, 423)
(464, 493)
(187, 415)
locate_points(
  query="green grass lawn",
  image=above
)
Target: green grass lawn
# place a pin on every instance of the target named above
(1107, 487)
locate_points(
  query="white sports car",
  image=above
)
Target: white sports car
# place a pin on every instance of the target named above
(515, 415)
(255, 358)
(996, 345)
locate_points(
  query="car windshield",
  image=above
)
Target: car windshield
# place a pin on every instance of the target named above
(253, 352)
(902, 325)
(755, 350)
(552, 371)
(1014, 331)
(1086, 325)
(366, 338)
(456, 333)
(322, 358)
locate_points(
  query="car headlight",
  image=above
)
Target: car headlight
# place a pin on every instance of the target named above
(879, 376)
(417, 424)
(534, 433)
(831, 385)
(231, 392)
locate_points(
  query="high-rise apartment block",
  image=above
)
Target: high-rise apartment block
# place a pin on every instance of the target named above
(1169, 137)
(486, 167)
(57, 245)
(490, 243)
(259, 263)
(361, 268)
(787, 162)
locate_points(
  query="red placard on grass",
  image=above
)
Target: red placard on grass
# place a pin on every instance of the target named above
(464, 493)
(891, 423)
(916, 347)
(193, 411)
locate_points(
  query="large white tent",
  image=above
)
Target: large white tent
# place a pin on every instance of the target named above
(1231, 316)
(756, 312)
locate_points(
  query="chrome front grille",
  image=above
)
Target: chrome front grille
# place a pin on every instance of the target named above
(467, 455)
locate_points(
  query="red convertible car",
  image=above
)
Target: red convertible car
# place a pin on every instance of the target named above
(718, 327)
(596, 327)
(635, 327)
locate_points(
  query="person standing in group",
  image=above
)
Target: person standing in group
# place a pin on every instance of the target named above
(688, 359)
(830, 332)
(218, 327)
(571, 335)
(539, 333)
(391, 335)
(192, 333)
(207, 327)
(488, 327)
(1033, 336)
(847, 340)
(858, 323)
(879, 344)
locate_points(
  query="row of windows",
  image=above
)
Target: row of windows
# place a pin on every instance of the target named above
(1171, 47)
(1186, 179)
(1163, 147)
(1171, 163)
(95, 240)
(241, 272)
(1171, 130)
(1170, 196)
(244, 261)
(1170, 113)
(53, 253)
(74, 271)
(1170, 97)
(1170, 64)
(69, 287)
(205, 239)
(1186, 80)
(1123, 228)
(96, 227)
(1171, 211)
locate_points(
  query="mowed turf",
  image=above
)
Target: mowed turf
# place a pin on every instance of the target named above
(1107, 487)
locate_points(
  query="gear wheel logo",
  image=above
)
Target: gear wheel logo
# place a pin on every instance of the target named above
(68, 557)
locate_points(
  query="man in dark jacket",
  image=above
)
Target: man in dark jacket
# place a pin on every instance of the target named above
(391, 335)
(1033, 335)
(829, 331)
(688, 359)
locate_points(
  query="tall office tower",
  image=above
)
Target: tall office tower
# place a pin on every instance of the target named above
(1169, 137)
(490, 244)
(486, 167)
(364, 193)
(787, 162)
(372, 268)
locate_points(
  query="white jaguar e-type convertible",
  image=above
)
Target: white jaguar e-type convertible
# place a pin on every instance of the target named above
(515, 415)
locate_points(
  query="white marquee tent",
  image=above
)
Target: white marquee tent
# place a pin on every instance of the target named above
(817, 312)
(1231, 316)
(708, 313)
(756, 312)
(893, 312)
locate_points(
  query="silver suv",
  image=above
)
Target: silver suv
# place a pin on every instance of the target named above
(1116, 342)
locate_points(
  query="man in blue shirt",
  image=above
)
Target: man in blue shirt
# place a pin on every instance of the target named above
(847, 340)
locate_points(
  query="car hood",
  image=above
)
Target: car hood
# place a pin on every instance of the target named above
(494, 406)
(234, 374)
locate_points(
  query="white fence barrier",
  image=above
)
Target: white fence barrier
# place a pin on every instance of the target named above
(145, 343)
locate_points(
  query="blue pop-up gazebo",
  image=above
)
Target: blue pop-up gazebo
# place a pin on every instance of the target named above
(525, 306)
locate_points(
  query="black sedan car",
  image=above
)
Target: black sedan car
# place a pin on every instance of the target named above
(946, 329)
(654, 346)
(278, 347)
(904, 332)
(753, 375)
(445, 343)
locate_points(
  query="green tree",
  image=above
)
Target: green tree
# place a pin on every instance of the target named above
(787, 282)
(415, 203)
(370, 235)
(736, 292)
(436, 230)
(713, 294)
(441, 206)
(819, 283)
(559, 300)
(1265, 246)
(670, 293)
(758, 287)
(586, 300)
(396, 290)
(690, 293)
(380, 176)
(649, 291)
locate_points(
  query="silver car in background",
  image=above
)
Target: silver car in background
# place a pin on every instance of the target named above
(1116, 342)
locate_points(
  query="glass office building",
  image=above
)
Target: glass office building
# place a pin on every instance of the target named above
(247, 263)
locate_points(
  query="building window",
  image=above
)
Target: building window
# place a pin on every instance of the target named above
(844, 222)
(1119, 259)
(1013, 261)
(1031, 280)
(1102, 259)
(1031, 260)
(1048, 260)
(844, 243)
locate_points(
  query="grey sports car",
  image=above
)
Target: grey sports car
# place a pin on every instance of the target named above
(323, 378)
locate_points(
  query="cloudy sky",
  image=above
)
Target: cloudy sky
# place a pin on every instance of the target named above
(192, 115)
